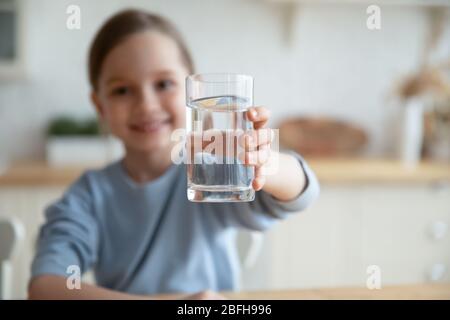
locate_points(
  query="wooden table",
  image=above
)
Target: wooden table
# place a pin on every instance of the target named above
(400, 292)
(403, 292)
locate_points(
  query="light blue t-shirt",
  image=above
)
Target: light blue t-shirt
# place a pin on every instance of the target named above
(148, 238)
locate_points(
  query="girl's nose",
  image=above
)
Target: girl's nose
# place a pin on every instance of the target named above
(147, 100)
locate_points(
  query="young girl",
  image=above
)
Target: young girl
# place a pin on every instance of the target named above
(131, 221)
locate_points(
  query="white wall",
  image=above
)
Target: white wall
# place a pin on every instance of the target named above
(333, 64)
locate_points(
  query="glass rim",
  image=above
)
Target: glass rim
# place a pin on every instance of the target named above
(237, 77)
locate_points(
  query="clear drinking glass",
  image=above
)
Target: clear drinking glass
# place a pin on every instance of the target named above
(216, 120)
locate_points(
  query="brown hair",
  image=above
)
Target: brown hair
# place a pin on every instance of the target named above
(123, 24)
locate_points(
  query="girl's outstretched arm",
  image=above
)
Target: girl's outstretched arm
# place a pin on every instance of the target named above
(53, 287)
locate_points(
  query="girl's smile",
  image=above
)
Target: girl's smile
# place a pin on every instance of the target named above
(151, 126)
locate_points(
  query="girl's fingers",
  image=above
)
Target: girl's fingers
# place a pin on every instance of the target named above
(264, 136)
(259, 116)
(256, 157)
(253, 139)
(258, 183)
(259, 179)
(259, 171)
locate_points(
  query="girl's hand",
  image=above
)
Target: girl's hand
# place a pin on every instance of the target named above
(257, 144)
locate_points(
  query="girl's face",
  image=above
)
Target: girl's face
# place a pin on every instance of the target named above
(141, 91)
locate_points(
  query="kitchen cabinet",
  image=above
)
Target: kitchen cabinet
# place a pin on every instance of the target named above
(353, 227)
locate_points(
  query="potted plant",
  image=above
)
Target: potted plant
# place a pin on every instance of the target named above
(72, 141)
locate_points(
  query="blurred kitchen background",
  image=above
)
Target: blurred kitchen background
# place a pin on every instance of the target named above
(369, 108)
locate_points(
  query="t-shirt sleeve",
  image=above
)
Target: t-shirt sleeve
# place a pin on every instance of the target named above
(69, 236)
(266, 209)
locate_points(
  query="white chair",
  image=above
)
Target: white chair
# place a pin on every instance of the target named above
(250, 244)
(12, 233)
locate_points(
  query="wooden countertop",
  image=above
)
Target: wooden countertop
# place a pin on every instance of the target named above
(329, 171)
(357, 170)
(398, 292)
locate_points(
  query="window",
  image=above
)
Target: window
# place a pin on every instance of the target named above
(11, 38)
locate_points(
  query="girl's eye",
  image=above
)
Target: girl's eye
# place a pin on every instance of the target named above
(164, 85)
(120, 91)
